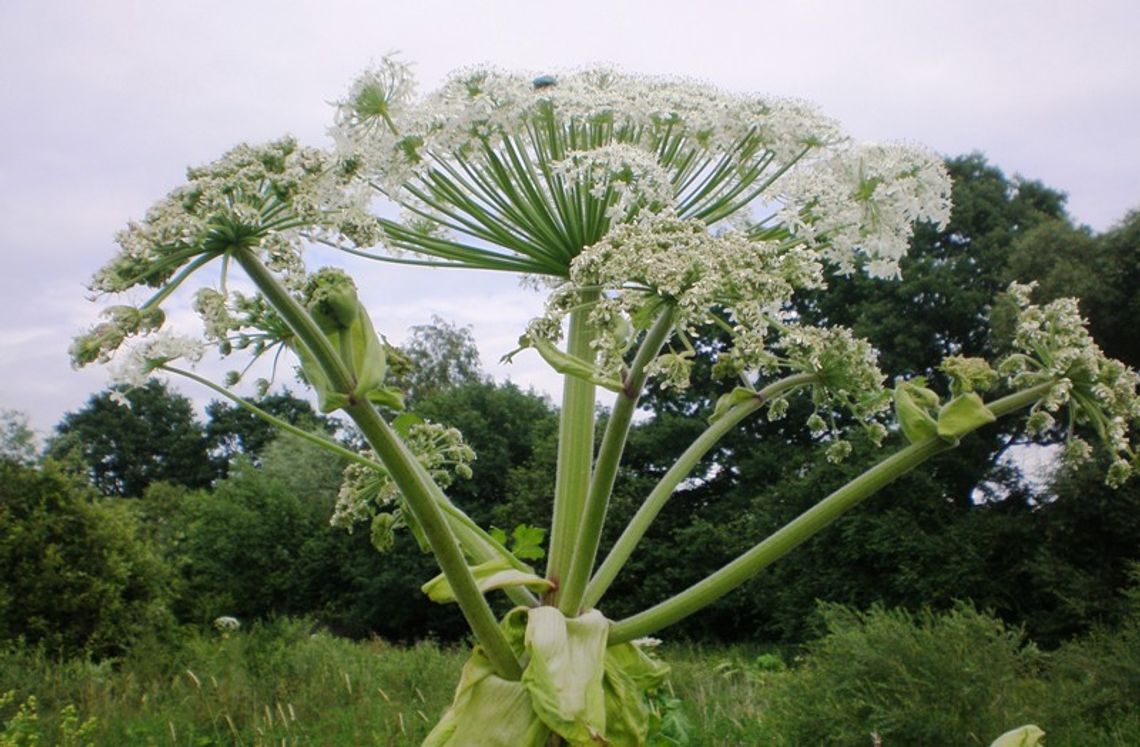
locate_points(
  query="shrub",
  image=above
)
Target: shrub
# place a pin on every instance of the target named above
(75, 576)
(961, 677)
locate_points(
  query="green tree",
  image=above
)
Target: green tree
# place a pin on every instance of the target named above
(233, 431)
(1102, 270)
(17, 439)
(511, 431)
(75, 575)
(440, 356)
(125, 448)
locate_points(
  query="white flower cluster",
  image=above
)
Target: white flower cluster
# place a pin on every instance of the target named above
(151, 352)
(864, 201)
(479, 107)
(100, 342)
(847, 380)
(1100, 392)
(555, 160)
(254, 196)
(266, 198)
(622, 176)
(546, 166)
(667, 260)
(365, 491)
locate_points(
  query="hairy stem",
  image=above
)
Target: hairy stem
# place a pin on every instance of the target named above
(575, 448)
(404, 468)
(800, 529)
(655, 501)
(606, 465)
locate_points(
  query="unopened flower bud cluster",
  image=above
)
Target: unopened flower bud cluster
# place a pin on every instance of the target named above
(1099, 392)
(365, 490)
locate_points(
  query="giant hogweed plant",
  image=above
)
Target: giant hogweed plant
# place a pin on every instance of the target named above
(650, 210)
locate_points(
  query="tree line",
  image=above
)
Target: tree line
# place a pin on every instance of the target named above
(136, 519)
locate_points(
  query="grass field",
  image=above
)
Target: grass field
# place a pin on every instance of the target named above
(282, 684)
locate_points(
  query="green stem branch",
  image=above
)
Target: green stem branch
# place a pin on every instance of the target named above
(575, 448)
(655, 501)
(404, 468)
(607, 463)
(800, 529)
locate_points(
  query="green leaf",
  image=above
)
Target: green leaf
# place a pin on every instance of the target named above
(328, 400)
(726, 402)
(494, 574)
(403, 424)
(964, 413)
(369, 362)
(629, 673)
(526, 542)
(1023, 736)
(912, 406)
(565, 671)
(389, 398)
(572, 365)
(488, 711)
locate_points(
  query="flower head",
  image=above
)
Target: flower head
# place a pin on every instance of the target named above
(1053, 346)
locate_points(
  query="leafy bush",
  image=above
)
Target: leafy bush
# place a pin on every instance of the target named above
(75, 576)
(962, 677)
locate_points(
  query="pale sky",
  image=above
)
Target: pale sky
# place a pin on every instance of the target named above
(105, 103)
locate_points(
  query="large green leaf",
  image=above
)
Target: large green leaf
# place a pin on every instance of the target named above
(488, 711)
(629, 673)
(565, 671)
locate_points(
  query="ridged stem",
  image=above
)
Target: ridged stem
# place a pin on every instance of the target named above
(655, 501)
(402, 466)
(801, 529)
(607, 463)
(575, 448)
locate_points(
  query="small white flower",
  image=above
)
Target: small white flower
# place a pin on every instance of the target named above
(133, 368)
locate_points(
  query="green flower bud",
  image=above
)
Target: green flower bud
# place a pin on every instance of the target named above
(330, 296)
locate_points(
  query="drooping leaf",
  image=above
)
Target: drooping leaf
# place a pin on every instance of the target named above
(488, 711)
(629, 673)
(328, 400)
(493, 574)
(565, 672)
(571, 365)
(1023, 736)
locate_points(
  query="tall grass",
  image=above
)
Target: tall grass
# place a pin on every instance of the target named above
(277, 684)
(958, 678)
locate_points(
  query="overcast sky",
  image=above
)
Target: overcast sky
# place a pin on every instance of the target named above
(105, 103)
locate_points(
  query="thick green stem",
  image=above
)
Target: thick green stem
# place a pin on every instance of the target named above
(800, 529)
(680, 470)
(475, 541)
(575, 448)
(607, 463)
(404, 468)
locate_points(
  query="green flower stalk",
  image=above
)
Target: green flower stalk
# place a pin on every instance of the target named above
(631, 201)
